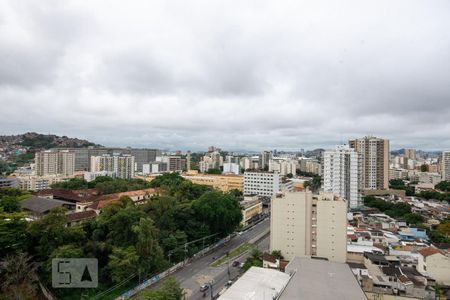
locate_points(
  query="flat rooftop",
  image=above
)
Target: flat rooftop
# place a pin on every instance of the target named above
(257, 284)
(320, 279)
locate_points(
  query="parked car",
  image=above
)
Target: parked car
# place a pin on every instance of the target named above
(235, 263)
(204, 287)
(242, 265)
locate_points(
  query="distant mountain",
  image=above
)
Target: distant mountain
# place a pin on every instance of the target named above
(35, 141)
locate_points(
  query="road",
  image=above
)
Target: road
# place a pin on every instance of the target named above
(199, 272)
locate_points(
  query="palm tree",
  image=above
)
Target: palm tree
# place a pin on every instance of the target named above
(18, 277)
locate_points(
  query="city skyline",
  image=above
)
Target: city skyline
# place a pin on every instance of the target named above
(258, 75)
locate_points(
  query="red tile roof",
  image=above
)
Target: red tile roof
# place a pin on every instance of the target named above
(82, 215)
(429, 251)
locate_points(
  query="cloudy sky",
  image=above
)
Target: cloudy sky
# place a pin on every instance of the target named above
(236, 74)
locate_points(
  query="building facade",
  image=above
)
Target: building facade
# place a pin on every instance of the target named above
(445, 165)
(374, 154)
(55, 163)
(341, 174)
(303, 224)
(121, 165)
(261, 183)
(225, 183)
(83, 156)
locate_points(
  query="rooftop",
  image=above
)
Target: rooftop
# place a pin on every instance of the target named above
(41, 205)
(257, 284)
(429, 251)
(321, 279)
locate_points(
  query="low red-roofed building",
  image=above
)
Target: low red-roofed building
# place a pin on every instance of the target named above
(434, 263)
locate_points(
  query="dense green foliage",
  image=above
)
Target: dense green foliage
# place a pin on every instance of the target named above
(214, 171)
(395, 210)
(435, 195)
(254, 260)
(104, 184)
(443, 186)
(424, 168)
(399, 184)
(169, 290)
(126, 239)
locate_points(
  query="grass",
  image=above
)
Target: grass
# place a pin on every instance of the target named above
(233, 253)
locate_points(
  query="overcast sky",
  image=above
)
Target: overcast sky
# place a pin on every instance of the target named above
(235, 74)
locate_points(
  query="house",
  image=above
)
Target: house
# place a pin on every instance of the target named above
(434, 263)
(39, 207)
(78, 217)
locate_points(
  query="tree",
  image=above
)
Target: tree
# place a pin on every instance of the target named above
(123, 262)
(18, 277)
(413, 219)
(214, 171)
(10, 204)
(424, 168)
(13, 233)
(169, 290)
(151, 256)
(443, 186)
(444, 227)
(254, 260)
(116, 221)
(289, 175)
(72, 184)
(277, 254)
(220, 211)
(50, 232)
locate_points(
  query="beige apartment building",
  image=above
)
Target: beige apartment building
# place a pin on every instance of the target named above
(434, 263)
(225, 183)
(250, 209)
(410, 153)
(374, 153)
(55, 162)
(303, 224)
(445, 168)
(38, 183)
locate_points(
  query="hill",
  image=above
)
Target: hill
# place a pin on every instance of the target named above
(34, 141)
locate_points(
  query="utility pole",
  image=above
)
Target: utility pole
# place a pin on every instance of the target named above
(211, 288)
(228, 263)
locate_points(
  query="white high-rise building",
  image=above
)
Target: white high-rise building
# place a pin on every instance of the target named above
(303, 224)
(261, 183)
(231, 168)
(445, 168)
(341, 174)
(121, 165)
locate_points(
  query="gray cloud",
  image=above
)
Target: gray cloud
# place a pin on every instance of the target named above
(252, 75)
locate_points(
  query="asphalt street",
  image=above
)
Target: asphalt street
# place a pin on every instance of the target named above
(200, 271)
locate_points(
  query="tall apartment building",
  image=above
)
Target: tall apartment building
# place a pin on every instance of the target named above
(83, 156)
(261, 183)
(410, 154)
(341, 174)
(303, 224)
(445, 167)
(264, 159)
(174, 163)
(282, 166)
(310, 165)
(374, 154)
(121, 165)
(55, 163)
